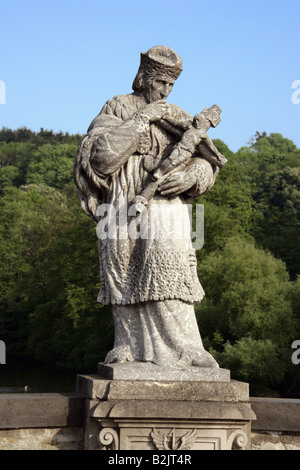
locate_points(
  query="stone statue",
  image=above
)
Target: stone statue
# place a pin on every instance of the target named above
(148, 274)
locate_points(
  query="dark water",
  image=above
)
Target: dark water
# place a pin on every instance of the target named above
(22, 375)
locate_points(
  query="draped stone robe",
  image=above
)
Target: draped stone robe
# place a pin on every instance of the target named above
(147, 262)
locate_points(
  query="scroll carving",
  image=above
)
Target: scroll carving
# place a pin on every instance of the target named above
(237, 440)
(109, 439)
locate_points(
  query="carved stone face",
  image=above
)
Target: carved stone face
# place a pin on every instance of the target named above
(158, 88)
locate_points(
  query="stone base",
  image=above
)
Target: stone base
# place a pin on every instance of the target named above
(149, 371)
(165, 415)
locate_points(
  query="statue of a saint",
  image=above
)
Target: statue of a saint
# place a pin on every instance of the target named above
(148, 278)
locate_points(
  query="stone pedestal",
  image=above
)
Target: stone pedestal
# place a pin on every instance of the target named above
(212, 413)
(148, 371)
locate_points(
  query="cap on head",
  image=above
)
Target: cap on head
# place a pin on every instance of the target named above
(163, 56)
(158, 59)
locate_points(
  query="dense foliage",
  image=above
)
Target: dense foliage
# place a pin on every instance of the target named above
(249, 264)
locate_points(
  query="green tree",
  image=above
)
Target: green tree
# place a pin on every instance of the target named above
(44, 136)
(51, 165)
(8, 175)
(49, 279)
(18, 155)
(228, 206)
(49, 262)
(277, 225)
(246, 304)
(267, 154)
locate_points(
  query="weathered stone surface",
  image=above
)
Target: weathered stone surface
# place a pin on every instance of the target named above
(125, 415)
(186, 410)
(67, 438)
(148, 371)
(276, 414)
(151, 156)
(277, 425)
(275, 441)
(145, 154)
(91, 386)
(168, 425)
(36, 410)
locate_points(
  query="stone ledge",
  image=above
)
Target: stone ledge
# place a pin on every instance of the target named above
(29, 410)
(276, 414)
(38, 410)
(93, 386)
(184, 410)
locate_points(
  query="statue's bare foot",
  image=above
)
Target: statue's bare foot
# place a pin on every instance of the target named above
(202, 358)
(119, 354)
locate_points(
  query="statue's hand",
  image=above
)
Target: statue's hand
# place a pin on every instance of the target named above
(156, 110)
(177, 183)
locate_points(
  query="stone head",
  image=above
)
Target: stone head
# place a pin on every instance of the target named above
(159, 68)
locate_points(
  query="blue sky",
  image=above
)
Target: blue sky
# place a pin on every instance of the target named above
(62, 59)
